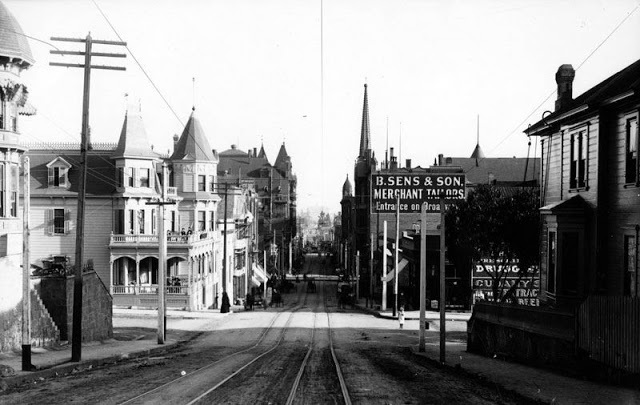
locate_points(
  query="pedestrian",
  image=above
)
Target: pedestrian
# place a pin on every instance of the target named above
(224, 308)
(401, 317)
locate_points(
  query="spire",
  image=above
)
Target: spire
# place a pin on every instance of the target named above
(347, 189)
(477, 154)
(283, 157)
(262, 154)
(365, 141)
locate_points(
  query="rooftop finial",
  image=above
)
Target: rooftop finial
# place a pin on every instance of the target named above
(193, 93)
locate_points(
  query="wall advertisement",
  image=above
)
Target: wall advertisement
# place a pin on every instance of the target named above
(528, 285)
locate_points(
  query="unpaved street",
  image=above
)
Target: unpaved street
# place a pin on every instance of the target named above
(255, 357)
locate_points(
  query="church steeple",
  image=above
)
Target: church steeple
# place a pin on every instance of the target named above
(365, 137)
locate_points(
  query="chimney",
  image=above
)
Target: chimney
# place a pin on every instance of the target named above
(448, 161)
(407, 163)
(175, 141)
(440, 159)
(249, 152)
(394, 163)
(233, 146)
(564, 79)
(255, 151)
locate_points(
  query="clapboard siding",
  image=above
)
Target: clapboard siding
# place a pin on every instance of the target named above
(44, 245)
(99, 223)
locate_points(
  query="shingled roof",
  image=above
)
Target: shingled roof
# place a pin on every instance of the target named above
(133, 141)
(13, 42)
(193, 144)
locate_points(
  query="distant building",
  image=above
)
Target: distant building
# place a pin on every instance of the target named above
(275, 186)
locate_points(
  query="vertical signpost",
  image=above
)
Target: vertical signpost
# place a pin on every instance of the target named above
(424, 193)
(423, 275)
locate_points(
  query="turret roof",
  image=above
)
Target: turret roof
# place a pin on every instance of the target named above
(193, 144)
(13, 42)
(133, 141)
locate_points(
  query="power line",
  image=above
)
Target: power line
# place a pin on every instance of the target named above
(615, 29)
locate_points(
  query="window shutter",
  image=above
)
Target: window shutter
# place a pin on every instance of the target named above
(51, 175)
(49, 221)
(63, 177)
(67, 221)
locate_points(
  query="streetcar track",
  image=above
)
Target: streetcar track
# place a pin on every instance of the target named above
(260, 339)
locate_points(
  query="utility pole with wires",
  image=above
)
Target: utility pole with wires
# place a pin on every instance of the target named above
(162, 262)
(85, 145)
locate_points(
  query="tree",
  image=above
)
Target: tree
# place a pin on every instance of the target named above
(496, 226)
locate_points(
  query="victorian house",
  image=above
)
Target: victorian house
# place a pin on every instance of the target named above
(124, 184)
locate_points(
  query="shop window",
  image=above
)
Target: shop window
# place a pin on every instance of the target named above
(631, 150)
(578, 160)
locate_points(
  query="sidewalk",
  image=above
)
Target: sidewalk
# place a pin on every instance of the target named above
(537, 384)
(134, 337)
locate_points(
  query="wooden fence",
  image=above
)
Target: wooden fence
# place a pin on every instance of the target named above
(608, 329)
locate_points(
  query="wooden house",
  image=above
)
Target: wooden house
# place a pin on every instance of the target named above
(590, 189)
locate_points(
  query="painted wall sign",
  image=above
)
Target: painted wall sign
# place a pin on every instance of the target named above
(527, 289)
(413, 190)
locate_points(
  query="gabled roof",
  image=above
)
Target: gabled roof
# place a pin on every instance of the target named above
(13, 42)
(502, 170)
(193, 144)
(628, 79)
(347, 188)
(133, 142)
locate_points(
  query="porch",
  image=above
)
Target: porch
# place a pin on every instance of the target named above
(146, 296)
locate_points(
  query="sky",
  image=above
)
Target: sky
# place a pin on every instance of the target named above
(292, 71)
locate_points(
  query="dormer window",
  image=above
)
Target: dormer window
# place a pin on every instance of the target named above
(58, 173)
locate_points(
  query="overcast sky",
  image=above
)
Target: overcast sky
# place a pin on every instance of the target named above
(264, 70)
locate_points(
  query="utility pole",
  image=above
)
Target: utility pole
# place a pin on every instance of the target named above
(162, 254)
(76, 339)
(224, 243)
(396, 275)
(443, 321)
(26, 271)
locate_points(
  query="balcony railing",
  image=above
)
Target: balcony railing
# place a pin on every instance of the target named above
(148, 289)
(172, 238)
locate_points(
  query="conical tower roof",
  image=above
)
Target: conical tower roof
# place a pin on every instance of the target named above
(477, 152)
(262, 154)
(13, 43)
(133, 142)
(283, 157)
(365, 137)
(193, 144)
(347, 188)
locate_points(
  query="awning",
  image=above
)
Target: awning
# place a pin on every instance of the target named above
(391, 274)
(259, 273)
(255, 281)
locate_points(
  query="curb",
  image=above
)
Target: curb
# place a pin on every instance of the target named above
(70, 368)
